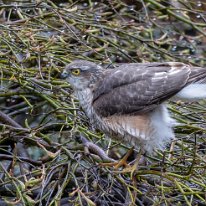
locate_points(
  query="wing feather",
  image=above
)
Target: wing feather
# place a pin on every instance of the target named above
(136, 88)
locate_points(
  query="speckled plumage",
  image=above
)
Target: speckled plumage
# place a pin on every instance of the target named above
(127, 102)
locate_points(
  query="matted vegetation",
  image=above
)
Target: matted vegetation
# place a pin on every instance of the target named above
(47, 146)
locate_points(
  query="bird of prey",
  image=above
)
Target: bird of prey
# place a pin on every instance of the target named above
(128, 101)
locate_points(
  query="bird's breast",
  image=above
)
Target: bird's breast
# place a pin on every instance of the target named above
(130, 128)
(85, 98)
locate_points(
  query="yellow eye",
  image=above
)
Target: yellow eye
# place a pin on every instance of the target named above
(75, 72)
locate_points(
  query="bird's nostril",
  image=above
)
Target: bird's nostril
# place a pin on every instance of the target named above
(64, 75)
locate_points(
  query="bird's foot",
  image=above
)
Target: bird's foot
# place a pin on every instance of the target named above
(123, 161)
(120, 163)
(129, 169)
(132, 169)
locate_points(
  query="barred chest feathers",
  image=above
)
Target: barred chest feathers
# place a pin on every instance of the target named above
(85, 98)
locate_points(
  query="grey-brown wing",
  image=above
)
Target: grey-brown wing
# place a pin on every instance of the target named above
(136, 88)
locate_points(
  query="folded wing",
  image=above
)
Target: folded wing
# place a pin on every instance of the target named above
(137, 88)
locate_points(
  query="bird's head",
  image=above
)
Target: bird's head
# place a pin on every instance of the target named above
(82, 74)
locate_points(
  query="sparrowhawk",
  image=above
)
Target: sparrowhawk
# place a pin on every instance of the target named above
(128, 101)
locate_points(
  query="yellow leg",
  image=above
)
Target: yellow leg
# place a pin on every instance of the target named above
(123, 161)
(120, 163)
(134, 167)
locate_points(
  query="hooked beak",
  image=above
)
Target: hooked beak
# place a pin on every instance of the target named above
(64, 75)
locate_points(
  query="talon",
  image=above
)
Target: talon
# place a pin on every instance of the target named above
(123, 161)
(120, 163)
(132, 169)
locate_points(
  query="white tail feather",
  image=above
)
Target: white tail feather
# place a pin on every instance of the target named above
(193, 92)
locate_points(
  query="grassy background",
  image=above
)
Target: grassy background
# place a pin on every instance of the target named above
(43, 160)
